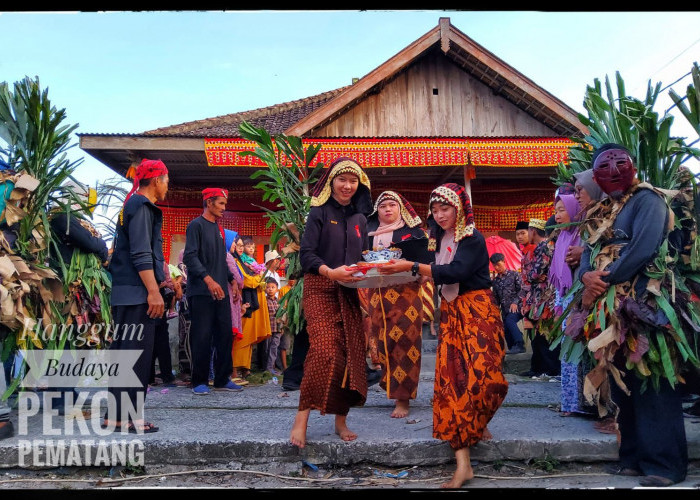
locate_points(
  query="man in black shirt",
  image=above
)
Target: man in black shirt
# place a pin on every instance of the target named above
(136, 267)
(208, 277)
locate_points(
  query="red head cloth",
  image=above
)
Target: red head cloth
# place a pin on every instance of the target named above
(147, 169)
(213, 193)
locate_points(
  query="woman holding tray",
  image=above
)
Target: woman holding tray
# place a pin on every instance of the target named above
(469, 382)
(334, 237)
(396, 312)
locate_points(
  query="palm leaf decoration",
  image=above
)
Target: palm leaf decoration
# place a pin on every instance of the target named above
(286, 181)
(35, 141)
(633, 123)
(658, 335)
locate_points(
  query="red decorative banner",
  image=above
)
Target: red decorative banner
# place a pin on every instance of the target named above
(175, 221)
(409, 152)
(486, 218)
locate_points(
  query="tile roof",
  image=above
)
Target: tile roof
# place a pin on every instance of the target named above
(275, 119)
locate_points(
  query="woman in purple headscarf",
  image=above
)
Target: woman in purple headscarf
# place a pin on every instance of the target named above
(566, 210)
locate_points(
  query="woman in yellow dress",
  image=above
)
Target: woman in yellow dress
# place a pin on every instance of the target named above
(256, 328)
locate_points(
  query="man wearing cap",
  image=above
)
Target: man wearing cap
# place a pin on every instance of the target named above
(522, 237)
(208, 277)
(136, 267)
(536, 304)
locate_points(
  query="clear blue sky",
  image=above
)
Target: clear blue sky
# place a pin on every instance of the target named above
(127, 72)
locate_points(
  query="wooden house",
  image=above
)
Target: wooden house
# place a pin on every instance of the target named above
(444, 109)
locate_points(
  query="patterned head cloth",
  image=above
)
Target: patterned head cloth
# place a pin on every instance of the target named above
(322, 192)
(147, 169)
(538, 224)
(408, 214)
(456, 196)
(213, 193)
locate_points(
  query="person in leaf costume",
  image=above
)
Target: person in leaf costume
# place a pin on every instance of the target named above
(87, 285)
(632, 311)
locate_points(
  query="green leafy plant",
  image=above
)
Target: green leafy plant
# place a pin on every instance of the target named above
(634, 124)
(691, 111)
(35, 141)
(286, 181)
(546, 463)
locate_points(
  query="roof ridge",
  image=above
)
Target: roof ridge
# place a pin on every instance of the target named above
(253, 113)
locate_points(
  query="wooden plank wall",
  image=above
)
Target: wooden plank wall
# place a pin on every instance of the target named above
(407, 107)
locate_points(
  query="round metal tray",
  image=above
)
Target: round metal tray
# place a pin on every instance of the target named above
(375, 280)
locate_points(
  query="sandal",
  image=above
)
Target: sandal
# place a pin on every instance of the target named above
(657, 481)
(619, 470)
(239, 381)
(105, 424)
(145, 428)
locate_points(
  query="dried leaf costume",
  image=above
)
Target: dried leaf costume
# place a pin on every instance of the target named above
(645, 326)
(469, 382)
(396, 313)
(334, 369)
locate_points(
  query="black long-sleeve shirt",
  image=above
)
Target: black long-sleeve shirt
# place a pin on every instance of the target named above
(640, 227)
(469, 267)
(138, 246)
(73, 235)
(328, 240)
(205, 254)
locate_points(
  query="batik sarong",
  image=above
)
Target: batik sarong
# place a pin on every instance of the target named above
(335, 375)
(469, 381)
(396, 315)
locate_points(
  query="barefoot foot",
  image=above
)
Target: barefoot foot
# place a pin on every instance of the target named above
(401, 410)
(487, 436)
(298, 434)
(458, 479)
(464, 471)
(341, 429)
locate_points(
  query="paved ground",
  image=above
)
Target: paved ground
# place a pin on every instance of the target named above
(243, 439)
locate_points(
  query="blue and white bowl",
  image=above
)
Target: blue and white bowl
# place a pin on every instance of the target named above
(384, 255)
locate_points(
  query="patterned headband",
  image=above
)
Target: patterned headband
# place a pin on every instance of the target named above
(408, 214)
(323, 189)
(456, 196)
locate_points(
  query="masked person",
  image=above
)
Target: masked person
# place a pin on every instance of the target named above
(469, 382)
(136, 267)
(652, 432)
(397, 309)
(334, 237)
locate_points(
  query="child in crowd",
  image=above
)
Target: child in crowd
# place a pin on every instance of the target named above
(271, 289)
(506, 291)
(286, 338)
(248, 256)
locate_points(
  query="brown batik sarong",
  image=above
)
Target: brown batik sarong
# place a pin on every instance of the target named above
(396, 315)
(469, 381)
(335, 375)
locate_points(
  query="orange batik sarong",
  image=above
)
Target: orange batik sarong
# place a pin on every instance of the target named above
(469, 381)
